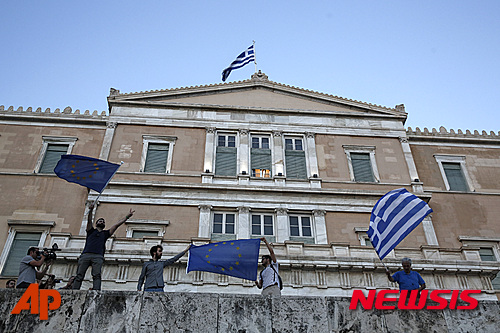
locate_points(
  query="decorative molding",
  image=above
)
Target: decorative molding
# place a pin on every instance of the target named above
(244, 210)
(210, 130)
(281, 211)
(319, 212)
(403, 139)
(205, 208)
(111, 124)
(243, 131)
(310, 135)
(277, 134)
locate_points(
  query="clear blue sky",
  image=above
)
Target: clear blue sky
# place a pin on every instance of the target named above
(439, 58)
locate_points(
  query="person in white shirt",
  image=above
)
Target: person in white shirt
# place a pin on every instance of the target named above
(269, 279)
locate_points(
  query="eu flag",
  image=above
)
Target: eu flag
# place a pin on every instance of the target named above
(86, 171)
(238, 258)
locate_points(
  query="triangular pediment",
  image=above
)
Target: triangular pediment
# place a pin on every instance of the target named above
(257, 93)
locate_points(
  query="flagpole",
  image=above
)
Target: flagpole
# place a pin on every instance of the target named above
(254, 57)
(95, 201)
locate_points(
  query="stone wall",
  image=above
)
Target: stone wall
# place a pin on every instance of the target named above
(117, 311)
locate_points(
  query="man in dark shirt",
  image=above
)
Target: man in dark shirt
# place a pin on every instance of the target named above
(95, 245)
(152, 270)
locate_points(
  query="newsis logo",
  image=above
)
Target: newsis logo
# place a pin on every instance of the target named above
(39, 301)
(410, 300)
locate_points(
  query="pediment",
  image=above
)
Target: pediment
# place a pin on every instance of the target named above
(258, 94)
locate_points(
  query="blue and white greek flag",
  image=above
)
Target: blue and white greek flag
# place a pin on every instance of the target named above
(394, 216)
(244, 58)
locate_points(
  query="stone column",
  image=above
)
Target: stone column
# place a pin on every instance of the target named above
(243, 223)
(108, 139)
(312, 159)
(282, 230)
(204, 223)
(417, 186)
(430, 233)
(278, 154)
(320, 223)
(243, 152)
(209, 150)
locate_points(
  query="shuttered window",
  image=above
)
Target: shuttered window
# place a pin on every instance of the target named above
(22, 242)
(261, 162)
(362, 167)
(455, 177)
(487, 254)
(157, 157)
(226, 156)
(52, 156)
(295, 159)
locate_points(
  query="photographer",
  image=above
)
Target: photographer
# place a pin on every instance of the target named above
(28, 273)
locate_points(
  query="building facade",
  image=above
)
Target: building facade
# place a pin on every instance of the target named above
(252, 159)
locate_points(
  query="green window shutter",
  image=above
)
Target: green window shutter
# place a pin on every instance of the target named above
(52, 156)
(225, 161)
(362, 167)
(261, 158)
(156, 160)
(487, 254)
(295, 164)
(22, 242)
(455, 177)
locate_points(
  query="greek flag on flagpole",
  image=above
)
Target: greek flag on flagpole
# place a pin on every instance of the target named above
(394, 216)
(244, 58)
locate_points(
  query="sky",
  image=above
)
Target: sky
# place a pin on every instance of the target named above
(439, 58)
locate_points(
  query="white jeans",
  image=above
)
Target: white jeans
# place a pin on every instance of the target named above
(273, 290)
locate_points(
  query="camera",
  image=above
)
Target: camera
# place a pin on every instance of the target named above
(50, 253)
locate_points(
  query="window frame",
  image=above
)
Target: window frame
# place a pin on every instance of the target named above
(459, 159)
(53, 140)
(158, 226)
(306, 239)
(262, 172)
(236, 148)
(157, 139)
(295, 137)
(262, 225)
(223, 235)
(27, 226)
(370, 150)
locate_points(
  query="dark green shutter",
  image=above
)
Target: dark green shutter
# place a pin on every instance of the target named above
(22, 242)
(156, 160)
(295, 164)
(362, 167)
(225, 161)
(455, 177)
(261, 159)
(52, 156)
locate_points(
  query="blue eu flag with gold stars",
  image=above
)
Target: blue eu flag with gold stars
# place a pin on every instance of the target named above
(86, 171)
(238, 258)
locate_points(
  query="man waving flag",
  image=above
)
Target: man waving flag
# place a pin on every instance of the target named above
(244, 58)
(394, 216)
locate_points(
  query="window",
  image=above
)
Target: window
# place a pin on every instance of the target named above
(487, 254)
(295, 159)
(157, 153)
(455, 177)
(301, 228)
(144, 233)
(454, 173)
(52, 150)
(260, 155)
(20, 245)
(226, 155)
(362, 165)
(262, 225)
(223, 227)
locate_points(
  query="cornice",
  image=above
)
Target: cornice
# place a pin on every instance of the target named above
(444, 135)
(257, 80)
(56, 116)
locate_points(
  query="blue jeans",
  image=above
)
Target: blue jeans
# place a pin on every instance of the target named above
(89, 259)
(154, 289)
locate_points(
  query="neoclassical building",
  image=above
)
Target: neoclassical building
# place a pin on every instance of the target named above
(245, 160)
